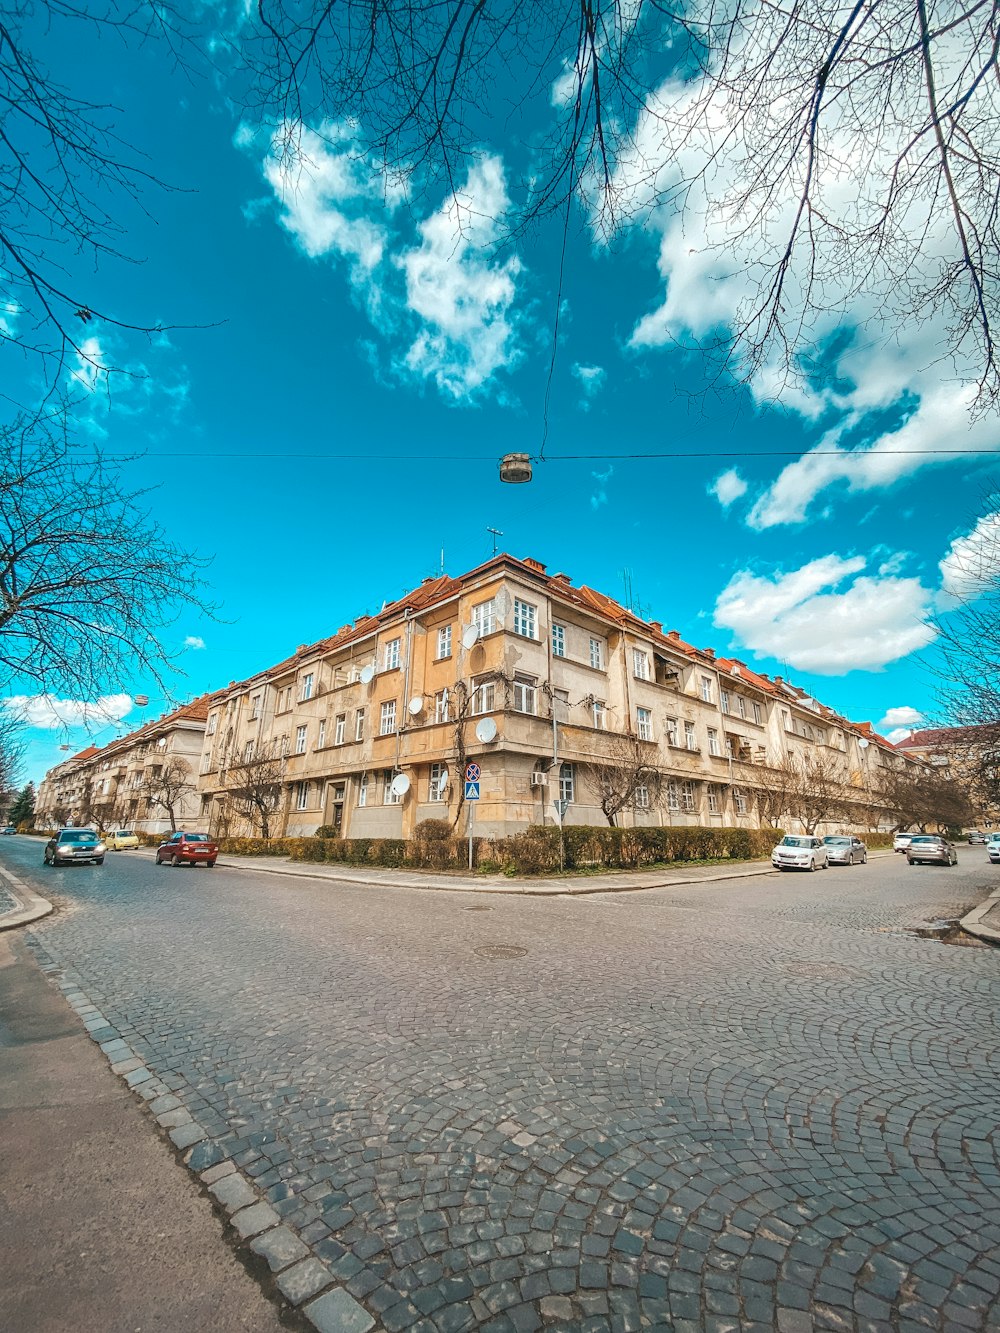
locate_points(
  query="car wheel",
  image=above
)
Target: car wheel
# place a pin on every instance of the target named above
(174, 862)
(210, 865)
(812, 865)
(98, 860)
(864, 858)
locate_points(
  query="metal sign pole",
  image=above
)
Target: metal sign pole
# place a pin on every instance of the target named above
(472, 820)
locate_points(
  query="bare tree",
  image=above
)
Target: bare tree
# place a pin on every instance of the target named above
(775, 788)
(811, 789)
(12, 745)
(86, 577)
(254, 785)
(627, 767)
(166, 786)
(841, 151)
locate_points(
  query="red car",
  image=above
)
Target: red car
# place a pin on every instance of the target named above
(189, 848)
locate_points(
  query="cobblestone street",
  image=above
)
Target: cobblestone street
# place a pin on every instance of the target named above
(765, 1104)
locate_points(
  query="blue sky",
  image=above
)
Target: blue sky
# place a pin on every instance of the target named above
(348, 368)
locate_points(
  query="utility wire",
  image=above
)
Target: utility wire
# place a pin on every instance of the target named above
(574, 458)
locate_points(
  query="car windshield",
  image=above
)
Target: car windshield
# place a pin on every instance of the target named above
(789, 841)
(124, 833)
(932, 837)
(77, 837)
(196, 837)
(837, 842)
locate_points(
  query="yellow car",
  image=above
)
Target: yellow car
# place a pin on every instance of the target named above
(122, 841)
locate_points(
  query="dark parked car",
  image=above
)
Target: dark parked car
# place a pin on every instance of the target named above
(844, 851)
(976, 837)
(74, 844)
(187, 849)
(926, 848)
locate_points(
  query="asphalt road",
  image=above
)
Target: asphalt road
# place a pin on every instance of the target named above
(756, 1105)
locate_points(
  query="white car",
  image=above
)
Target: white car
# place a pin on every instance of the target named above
(901, 841)
(800, 852)
(993, 847)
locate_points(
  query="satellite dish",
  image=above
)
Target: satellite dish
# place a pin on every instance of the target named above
(400, 785)
(863, 745)
(415, 706)
(367, 675)
(486, 730)
(141, 700)
(469, 635)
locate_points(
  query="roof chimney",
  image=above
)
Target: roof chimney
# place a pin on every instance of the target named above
(534, 564)
(672, 634)
(709, 652)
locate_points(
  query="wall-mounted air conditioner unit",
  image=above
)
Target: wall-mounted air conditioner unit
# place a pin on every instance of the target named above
(539, 780)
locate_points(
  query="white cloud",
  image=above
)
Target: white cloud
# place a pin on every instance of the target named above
(972, 563)
(903, 719)
(194, 641)
(591, 380)
(463, 298)
(600, 496)
(50, 713)
(827, 617)
(728, 487)
(91, 367)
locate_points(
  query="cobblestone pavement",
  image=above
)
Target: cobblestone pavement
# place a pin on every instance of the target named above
(758, 1105)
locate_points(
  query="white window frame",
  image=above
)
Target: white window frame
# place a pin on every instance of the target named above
(321, 738)
(301, 734)
(713, 799)
(567, 783)
(600, 715)
(687, 796)
(741, 706)
(672, 736)
(724, 701)
(444, 642)
(706, 689)
(640, 664)
(525, 694)
(673, 796)
(690, 736)
(442, 705)
(255, 708)
(642, 797)
(362, 790)
(359, 724)
(306, 691)
(713, 741)
(283, 746)
(438, 783)
(302, 796)
(484, 617)
(340, 729)
(558, 640)
(525, 619)
(483, 696)
(644, 723)
(387, 718)
(389, 797)
(213, 722)
(597, 653)
(739, 803)
(390, 655)
(758, 716)
(248, 752)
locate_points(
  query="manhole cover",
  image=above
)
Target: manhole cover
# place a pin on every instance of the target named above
(822, 971)
(498, 951)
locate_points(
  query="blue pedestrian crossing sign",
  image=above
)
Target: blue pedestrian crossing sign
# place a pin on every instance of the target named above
(472, 791)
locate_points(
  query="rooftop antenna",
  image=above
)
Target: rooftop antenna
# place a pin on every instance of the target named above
(496, 533)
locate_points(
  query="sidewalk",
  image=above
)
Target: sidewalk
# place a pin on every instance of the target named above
(984, 920)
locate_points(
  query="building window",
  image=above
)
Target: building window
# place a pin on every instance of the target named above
(724, 700)
(390, 660)
(740, 802)
(713, 799)
(672, 731)
(213, 722)
(741, 705)
(359, 725)
(597, 654)
(248, 752)
(387, 718)
(524, 694)
(567, 783)
(730, 749)
(288, 697)
(389, 797)
(690, 740)
(524, 619)
(600, 714)
(642, 797)
(444, 642)
(713, 741)
(302, 796)
(558, 641)
(673, 796)
(255, 708)
(484, 617)
(644, 723)
(687, 796)
(483, 696)
(757, 716)
(307, 688)
(340, 729)
(640, 664)
(321, 738)
(284, 746)
(442, 706)
(706, 689)
(363, 789)
(300, 740)
(439, 780)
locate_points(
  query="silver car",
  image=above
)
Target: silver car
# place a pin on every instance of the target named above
(928, 848)
(74, 844)
(845, 851)
(800, 852)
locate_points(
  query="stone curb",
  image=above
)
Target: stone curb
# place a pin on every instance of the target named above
(301, 1281)
(31, 905)
(971, 923)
